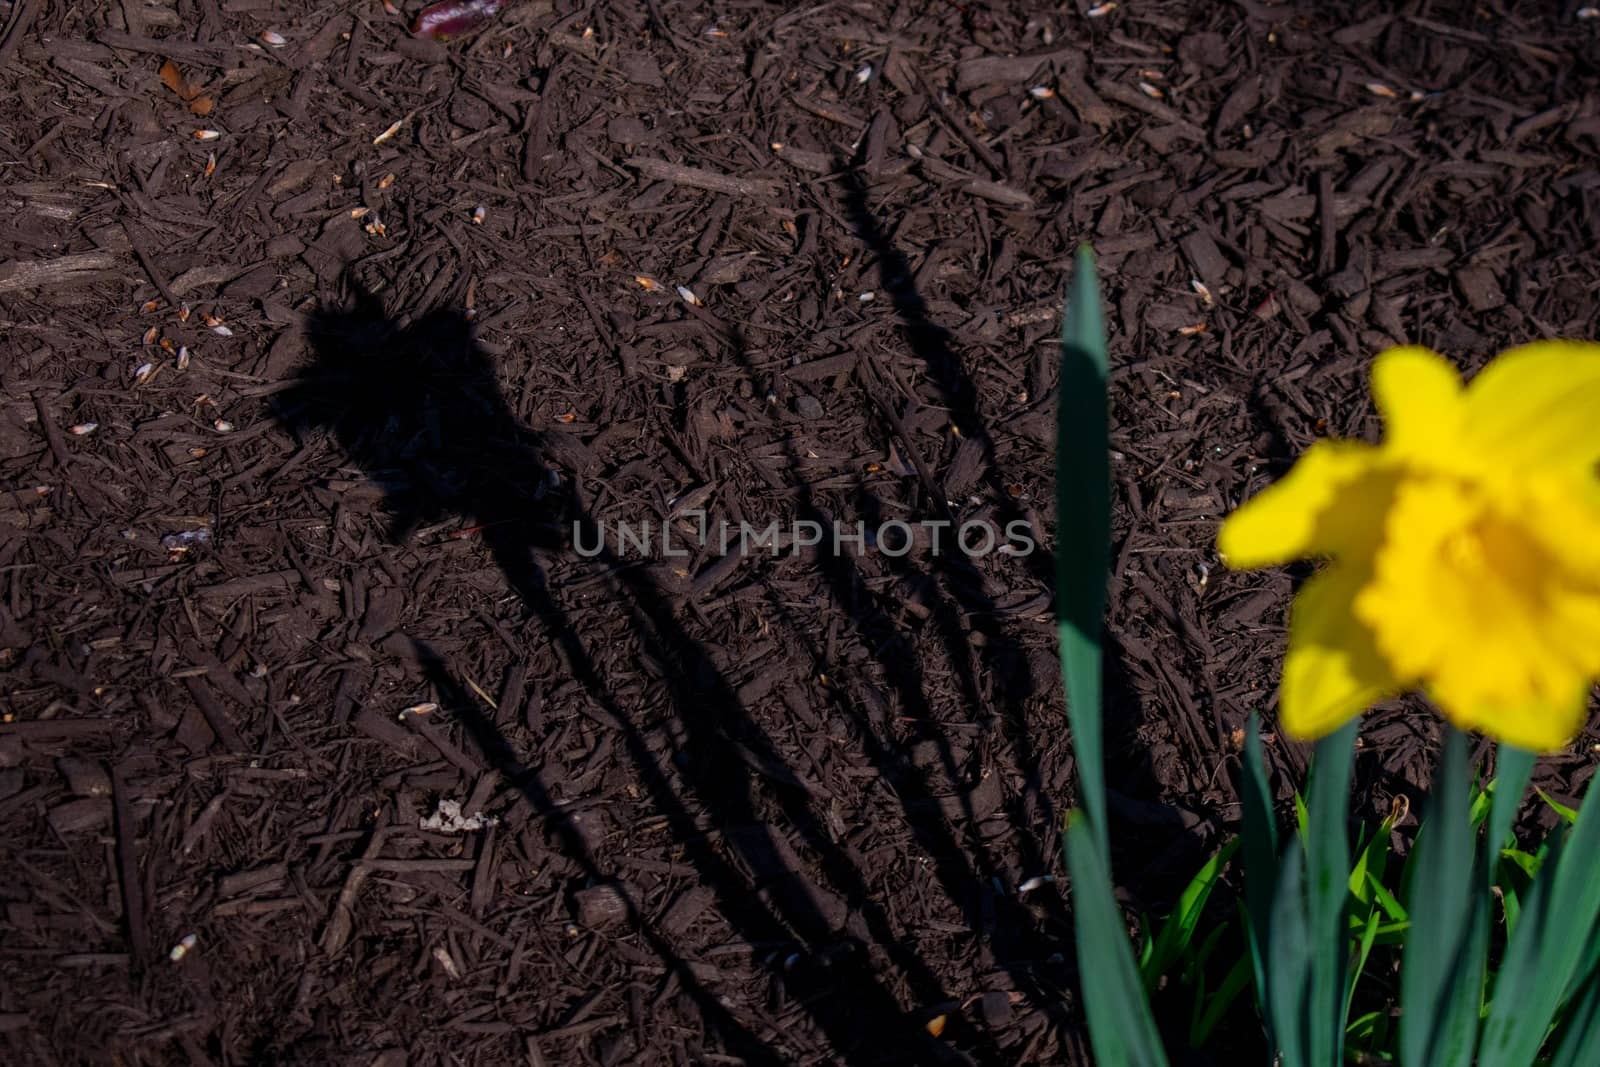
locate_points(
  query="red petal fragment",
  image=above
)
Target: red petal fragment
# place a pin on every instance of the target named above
(452, 18)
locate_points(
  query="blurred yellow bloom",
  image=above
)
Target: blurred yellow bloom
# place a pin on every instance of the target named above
(1465, 549)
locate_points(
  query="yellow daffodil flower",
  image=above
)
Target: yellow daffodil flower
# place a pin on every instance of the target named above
(1465, 549)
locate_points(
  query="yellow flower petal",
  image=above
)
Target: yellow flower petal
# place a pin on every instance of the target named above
(1331, 501)
(1537, 724)
(1332, 671)
(1538, 406)
(1563, 515)
(1419, 394)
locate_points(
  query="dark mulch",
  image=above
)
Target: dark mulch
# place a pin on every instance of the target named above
(761, 810)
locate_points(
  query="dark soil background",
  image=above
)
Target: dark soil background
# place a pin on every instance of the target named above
(744, 810)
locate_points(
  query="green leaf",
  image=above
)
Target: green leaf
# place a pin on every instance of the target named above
(1289, 953)
(1328, 891)
(1512, 767)
(1234, 983)
(1511, 905)
(1579, 1043)
(1306, 955)
(1083, 533)
(1587, 962)
(1441, 974)
(1365, 1027)
(1196, 959)
(1259, 840)
(1560, 809)
(1178, 931)
(1387, 900)
(1526, 862)
(1478, 805)
(1369, 935)
(1120, 1026)
(1392, 933)
(1542, 956)
(1372, 859)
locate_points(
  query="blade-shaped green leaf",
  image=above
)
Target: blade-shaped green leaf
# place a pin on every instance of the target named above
(1178, 930)
(1083, 532)
(1328, 892)
(1120, 1026)
(1372, 859)
(1259, 840)
(1205, 1020)
(1579, 1044)
(1587, 962)
(1289, 962)
(1441, 971)
(1369, 936)
(1544, 953)
(1556, 806)
(1512, 767)
(1392, 908)
(1196, 959)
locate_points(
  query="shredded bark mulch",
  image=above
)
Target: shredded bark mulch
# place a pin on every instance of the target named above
(323, 737)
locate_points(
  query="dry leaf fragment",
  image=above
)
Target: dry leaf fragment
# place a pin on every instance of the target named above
(173, 79)
(393, 129)
(200, 102)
